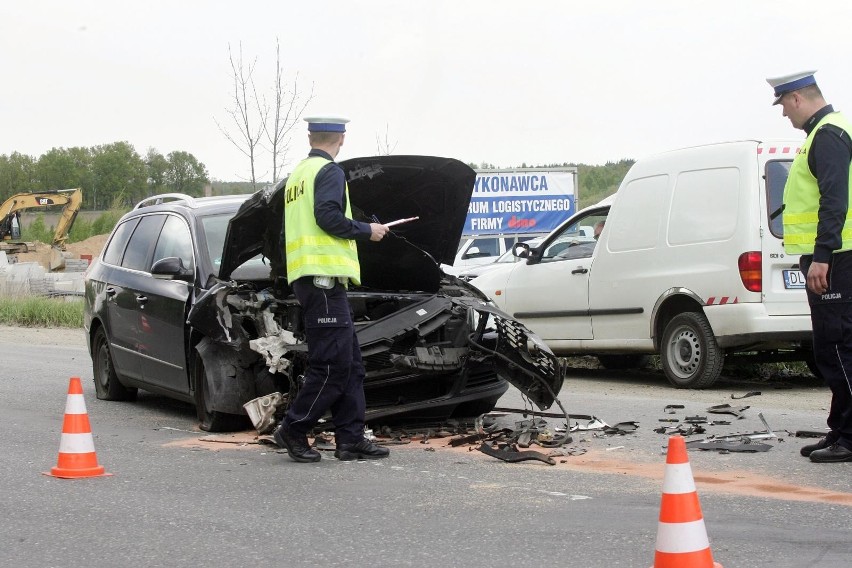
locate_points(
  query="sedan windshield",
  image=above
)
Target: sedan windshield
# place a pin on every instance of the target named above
(215, 228)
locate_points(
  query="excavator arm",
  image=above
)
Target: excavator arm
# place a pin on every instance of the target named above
(72, 199)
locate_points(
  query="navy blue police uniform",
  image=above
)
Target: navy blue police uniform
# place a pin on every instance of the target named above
(334, 379)
(831, 312)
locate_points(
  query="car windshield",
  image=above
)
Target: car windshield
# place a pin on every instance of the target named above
(215, 228)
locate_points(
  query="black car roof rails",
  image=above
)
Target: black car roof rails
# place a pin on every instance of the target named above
(157, 199)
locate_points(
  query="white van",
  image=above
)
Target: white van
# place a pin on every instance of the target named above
(689, 265)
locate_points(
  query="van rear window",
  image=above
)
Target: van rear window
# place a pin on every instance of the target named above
(776, 177)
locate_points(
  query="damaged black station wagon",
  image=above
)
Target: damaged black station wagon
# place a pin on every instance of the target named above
(190, 299)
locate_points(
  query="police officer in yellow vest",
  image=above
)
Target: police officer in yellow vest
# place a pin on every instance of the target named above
(818, 226)
(322, 260)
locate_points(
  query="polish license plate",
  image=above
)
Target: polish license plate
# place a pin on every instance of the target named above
(794, 279)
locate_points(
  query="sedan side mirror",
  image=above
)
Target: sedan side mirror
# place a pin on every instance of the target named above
(521, 250)
(171, 268)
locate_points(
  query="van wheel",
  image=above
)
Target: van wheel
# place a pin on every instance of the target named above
(211, 420)
(107, 384)
(690, 356)
(621, 362)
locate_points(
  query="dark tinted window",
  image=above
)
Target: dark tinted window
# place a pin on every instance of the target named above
(115, 247)
(175, 240)
(139, 248)
(776, 179)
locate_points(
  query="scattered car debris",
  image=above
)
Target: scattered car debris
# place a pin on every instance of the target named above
(728, 409)
(510, 454)
(594, 423)
(746, 395)
(621, 428)
(681, 429)
(469, 439)
(765, 423)
(529, 412)
(261, 411)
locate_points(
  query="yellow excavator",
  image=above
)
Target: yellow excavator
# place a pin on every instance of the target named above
(10, 220)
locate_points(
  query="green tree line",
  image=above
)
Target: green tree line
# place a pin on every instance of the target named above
(111, 175)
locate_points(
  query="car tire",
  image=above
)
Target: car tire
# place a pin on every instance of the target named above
(623, 362)
(107, 384)
(689, 354)
(211, 420)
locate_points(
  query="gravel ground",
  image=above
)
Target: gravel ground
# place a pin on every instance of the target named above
(48, 336)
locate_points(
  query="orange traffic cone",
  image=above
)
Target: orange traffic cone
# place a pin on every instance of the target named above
(76, 447)
(681, 535)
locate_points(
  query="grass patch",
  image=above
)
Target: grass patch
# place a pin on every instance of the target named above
(36, 311)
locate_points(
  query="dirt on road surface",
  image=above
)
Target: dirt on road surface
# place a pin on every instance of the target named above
(787, 476)
(47, 336)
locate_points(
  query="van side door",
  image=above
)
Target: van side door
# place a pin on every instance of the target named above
(550, 294)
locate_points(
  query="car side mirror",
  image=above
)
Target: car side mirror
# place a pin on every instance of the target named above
(521, 250)
(171, 268)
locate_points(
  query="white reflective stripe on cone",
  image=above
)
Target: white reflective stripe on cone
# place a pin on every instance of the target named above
(75, 404)
(682, 537)
(76, 443)
(678, 479)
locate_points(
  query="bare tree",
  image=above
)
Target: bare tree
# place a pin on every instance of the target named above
(285, 112)
(383, 147)
(248, 112)
(254, 120)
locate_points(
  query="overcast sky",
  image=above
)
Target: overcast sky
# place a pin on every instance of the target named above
(495, 81)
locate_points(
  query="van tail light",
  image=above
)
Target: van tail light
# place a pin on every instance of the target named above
(751, 270)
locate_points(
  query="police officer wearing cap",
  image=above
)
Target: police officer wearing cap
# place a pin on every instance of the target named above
(322, 260)
(816, 226)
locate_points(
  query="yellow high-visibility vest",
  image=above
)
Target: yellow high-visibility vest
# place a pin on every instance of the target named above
(801, 198)
(310, 251)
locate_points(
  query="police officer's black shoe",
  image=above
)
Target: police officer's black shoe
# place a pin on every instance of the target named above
(810, 448)
(832, 454)
(297, 446)
(365, 449)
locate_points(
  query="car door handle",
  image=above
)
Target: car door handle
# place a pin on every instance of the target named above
(110, 291)
(580, 270)
(141, 299)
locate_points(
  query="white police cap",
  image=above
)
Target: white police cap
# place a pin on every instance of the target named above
(788, 83)
(326, 123)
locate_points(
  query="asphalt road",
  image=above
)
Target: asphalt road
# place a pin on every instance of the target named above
(178, 497)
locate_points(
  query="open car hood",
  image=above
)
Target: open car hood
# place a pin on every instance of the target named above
(437, 190)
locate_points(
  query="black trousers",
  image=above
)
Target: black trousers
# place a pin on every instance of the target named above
(831, 319)
(334, 379)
